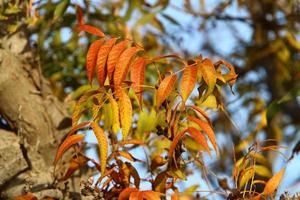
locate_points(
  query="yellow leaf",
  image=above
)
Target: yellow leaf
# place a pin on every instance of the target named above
(125, 113)
(210, 102)
(262, 171)
(246, 175)
(273, 183)
(115, 111)
(103, 145)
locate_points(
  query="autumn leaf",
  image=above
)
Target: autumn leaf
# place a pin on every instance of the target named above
(90, 29)
(188, 81)
(208, 72)
(206, 127)
(273, 183)
(68, 142)
(134, 174)
(137, 76)
(125, 194)
(113, 58)
(79, 15)
(156, 162)
(77, 127)
(28, 196)
(165, 88)
(91, 59)
(115, 111)
(198, 137)
(103, 145)
(151, 195)
(231, 76)
(133, 141)
(122, 65)
(74, 165)
(175, 142)
(201, 112)
(101, 59)
(125, 113)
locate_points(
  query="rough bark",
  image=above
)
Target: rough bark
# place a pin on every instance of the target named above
(38, 121)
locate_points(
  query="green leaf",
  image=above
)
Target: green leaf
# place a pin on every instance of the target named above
(60, 9)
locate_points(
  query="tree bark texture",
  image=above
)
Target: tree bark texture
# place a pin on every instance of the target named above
(37, 119)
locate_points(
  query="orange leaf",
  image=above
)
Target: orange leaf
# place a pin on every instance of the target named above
(136, 196)
(91, 58)
(133, 141)
(68, 142)
(79, 15)
(273, 183)
(113, 58)
(91, 29)
(137, 76)
(101, 59)
(202, 112)
(126, 155)
(77, 127)
(122, 65)
(165, 88)
(103, 145)
(28, 196)
(198, 137)
(151, 195)
(125, 113)
(188, 81)
(206, 127)
(124, 195)
(209, 74)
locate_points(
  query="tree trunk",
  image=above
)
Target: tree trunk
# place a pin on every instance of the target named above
(38, 122)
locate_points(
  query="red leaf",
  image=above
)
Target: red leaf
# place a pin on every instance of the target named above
(79, 15)
(137, 76)
(91, 59)
(113, 58)
(69, 141)
(101, 59)
(91, 29)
